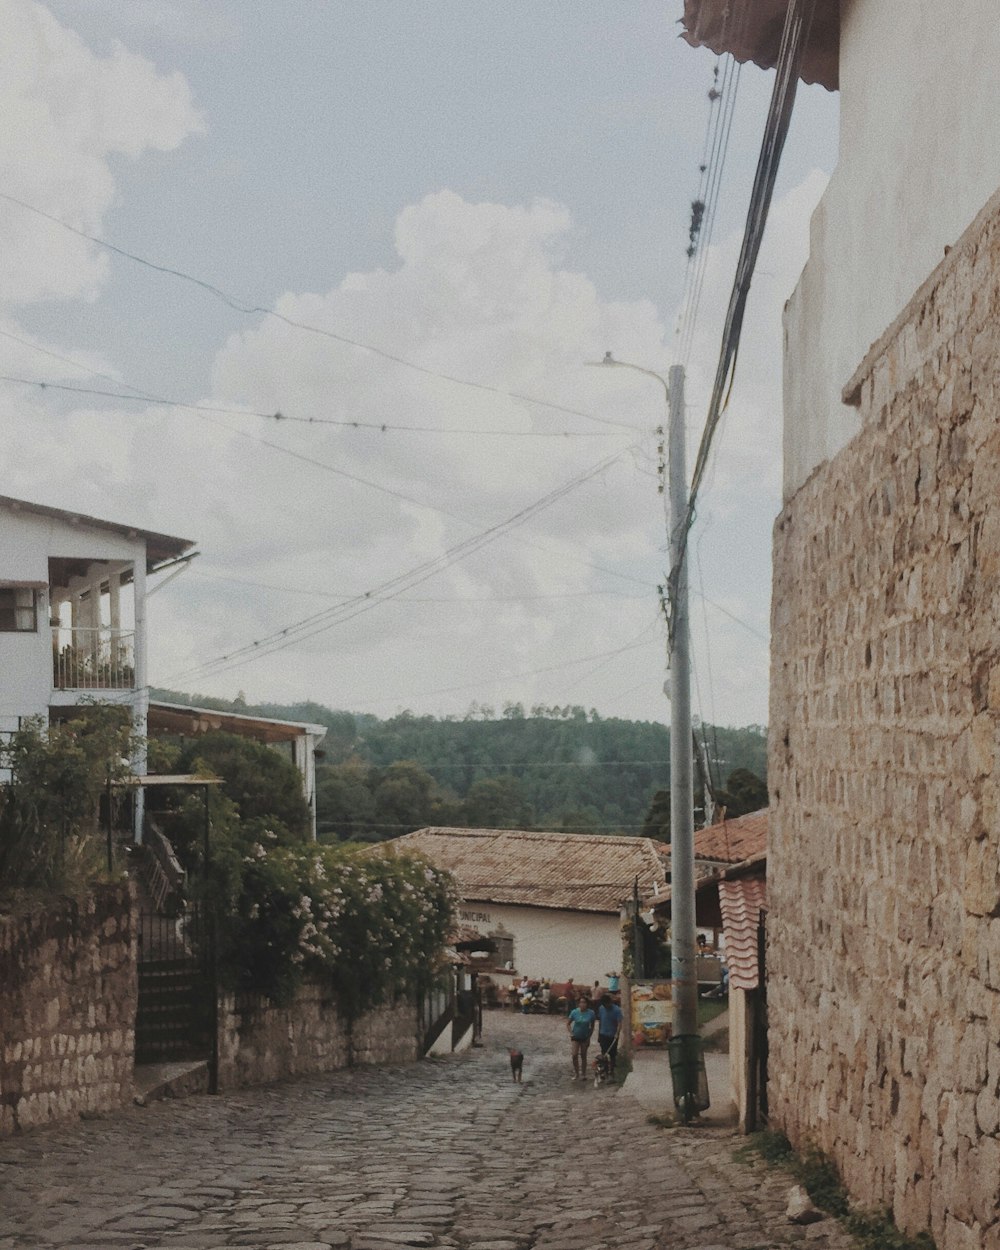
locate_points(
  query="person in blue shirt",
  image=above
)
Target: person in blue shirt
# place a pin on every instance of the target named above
(580, 1025)
(609, 1029)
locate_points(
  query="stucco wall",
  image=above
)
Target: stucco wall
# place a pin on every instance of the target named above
(27, 540)
(884, 763)
(920, 116)
(67, 1009)
(259, 1042)
(554, 944)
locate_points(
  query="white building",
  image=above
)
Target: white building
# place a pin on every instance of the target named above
(73, 629)
(551, 901)
(73, 615)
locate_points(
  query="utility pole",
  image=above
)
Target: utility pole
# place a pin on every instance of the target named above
(682, 926)
(683, 944)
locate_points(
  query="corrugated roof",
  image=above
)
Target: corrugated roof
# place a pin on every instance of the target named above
(751, 31)
(733, 841)
(568, 871)
(742, 902)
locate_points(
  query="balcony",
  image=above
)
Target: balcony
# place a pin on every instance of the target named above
(93, 659)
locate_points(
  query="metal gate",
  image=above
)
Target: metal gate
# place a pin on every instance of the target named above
(176, 1014)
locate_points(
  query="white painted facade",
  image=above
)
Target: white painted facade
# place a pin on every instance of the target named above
(919, 157)
(73, 615)
(93, 610)
(551, 943)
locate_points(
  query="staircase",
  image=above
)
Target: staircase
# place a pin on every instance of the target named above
(176, 1009)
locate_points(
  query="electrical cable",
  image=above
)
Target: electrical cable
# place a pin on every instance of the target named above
(300, 631)
(325, 594)
(795, 34)
(383, 427)
(250, 309)
(731, 88)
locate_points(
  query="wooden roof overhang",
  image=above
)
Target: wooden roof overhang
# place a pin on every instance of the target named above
(750, 30)
(176, 718)
(157, 781)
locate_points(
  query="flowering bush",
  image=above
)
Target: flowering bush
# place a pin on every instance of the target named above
(373, 923)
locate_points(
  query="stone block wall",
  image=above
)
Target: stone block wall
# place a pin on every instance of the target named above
(260, 1042)
(884, 764)
(67, 1009)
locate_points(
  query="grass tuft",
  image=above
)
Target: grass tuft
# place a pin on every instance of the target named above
(873, 1230)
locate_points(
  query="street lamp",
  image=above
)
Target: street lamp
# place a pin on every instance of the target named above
(684, 990)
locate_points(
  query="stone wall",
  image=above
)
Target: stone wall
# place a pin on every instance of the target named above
(884, 863)
(260, 1042)
(67, 1009)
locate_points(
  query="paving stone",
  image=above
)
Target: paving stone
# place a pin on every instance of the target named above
(436, 1156)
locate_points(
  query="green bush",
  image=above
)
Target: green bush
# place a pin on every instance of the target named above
(371, 923)
(50, 835)
(263, 784)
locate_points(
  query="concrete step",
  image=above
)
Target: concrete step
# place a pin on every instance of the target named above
(154, 1081)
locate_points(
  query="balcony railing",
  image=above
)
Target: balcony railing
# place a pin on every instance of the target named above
(93, 659)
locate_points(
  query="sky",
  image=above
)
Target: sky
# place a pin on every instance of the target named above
(407, 229)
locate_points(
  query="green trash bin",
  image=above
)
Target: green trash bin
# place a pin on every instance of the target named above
(687, 1071)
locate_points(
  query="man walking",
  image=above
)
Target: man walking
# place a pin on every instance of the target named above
(580, 1024)
(609, 1028)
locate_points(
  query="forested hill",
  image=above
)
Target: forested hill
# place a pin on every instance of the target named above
(553, 767)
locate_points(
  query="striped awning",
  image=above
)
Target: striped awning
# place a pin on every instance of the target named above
(741, 902)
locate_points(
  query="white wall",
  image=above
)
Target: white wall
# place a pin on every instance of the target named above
(919, 157)
(554, 944)
(27, 540)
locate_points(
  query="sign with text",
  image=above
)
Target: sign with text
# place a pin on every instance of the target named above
(652, 1011)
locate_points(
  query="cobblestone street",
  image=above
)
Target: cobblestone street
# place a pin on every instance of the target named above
(443, 1153)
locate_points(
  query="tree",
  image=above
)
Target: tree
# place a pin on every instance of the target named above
(744, 793)
(656, 823)
(50, 836)
(497, 803)
(263, 784)
(345, 805)
(406, 798)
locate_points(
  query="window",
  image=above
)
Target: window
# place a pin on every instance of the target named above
(17, 610)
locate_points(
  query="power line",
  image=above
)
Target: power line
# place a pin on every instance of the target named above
(716, 166)
(794, 36)
(308, 627)
(534, 672)
(204, 412)
(249, 309)
(383, 427)
(325, 594)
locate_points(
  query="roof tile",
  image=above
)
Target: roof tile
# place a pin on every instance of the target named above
(568, 871)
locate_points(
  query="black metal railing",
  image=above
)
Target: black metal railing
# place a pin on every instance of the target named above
(176, 1008)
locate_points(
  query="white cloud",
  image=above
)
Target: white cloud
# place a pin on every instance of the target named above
(478, 291)
(66, 113)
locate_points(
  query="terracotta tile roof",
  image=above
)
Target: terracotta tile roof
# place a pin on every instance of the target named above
(568, 871)
(733, 841)
(751, 31)
(742, 902)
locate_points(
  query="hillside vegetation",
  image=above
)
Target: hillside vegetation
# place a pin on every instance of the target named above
(550, 767)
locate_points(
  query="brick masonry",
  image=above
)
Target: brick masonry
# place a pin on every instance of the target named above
(260, 1042)
(884, 864)
(67, 1009)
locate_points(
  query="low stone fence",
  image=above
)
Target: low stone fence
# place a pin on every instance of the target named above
(67, 1009)
(260, 1042)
